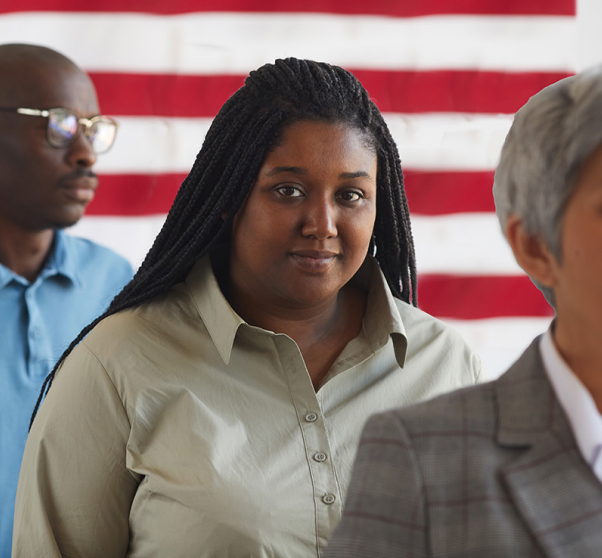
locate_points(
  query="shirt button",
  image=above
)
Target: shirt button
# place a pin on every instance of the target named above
(320, 456)
(311, 417)
(329, 499)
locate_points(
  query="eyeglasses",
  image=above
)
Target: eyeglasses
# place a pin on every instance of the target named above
(64, 125)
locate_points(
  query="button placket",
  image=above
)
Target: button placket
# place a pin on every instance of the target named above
(33, 326)
(38, 339)
(315, 438)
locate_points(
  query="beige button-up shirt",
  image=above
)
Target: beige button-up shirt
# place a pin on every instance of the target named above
(177, 429)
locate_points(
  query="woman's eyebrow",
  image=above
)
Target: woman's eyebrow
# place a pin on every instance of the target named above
(358, 174)
(294, 170)
(302, 170)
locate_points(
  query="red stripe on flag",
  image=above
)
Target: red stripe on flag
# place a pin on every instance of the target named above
(440, 193)
(392, 91)
(135, 194)
(429, 193)
(453, 91)
(164, 94)
(480, 297)
(396, 8)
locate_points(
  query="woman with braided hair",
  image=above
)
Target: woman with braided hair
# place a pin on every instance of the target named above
(215, 408)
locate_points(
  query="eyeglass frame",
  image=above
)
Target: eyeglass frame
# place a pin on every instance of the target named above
(81, 120)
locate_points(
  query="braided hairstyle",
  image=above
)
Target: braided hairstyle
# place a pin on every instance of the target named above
(247, 126)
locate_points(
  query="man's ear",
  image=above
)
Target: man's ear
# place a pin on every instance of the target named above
(531, 252)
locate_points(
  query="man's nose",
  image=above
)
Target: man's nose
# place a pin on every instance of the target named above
(320, 220)
(80, 153)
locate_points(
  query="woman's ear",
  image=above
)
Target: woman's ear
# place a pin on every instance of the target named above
(531, 252)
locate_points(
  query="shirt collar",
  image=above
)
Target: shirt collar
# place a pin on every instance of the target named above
(577, 403)
(59, 262)
(219, 318)
(382, 318)
(6, 276)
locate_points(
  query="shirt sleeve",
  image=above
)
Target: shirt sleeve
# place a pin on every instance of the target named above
(384, 513)
(75, 492)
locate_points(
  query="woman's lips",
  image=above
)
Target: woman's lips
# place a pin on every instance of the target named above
(314, 261)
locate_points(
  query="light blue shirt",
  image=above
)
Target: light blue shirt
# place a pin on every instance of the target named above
(37, 322)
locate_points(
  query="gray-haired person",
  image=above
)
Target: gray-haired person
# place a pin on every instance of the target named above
(512, 467)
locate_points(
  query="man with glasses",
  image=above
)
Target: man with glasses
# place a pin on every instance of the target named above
(51, 284)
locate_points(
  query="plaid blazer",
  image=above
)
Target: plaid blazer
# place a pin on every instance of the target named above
(488, 471)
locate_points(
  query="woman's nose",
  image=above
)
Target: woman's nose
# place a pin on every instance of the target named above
(320, 220)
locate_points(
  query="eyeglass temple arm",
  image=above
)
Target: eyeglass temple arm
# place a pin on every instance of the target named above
(33, 112)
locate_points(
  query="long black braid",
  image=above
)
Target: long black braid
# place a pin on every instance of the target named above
(247, 126)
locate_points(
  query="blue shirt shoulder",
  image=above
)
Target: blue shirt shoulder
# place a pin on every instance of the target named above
(38, 321)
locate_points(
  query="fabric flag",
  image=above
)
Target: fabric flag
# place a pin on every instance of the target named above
(447, 75)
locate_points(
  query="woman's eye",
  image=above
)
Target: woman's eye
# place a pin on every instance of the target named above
(351, 196)
(289, 191)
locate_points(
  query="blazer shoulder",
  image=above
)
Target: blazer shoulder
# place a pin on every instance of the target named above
(469, 408)
(479, 408)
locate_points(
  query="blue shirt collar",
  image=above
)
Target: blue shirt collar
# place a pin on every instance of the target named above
(59, 262)
(6, 275)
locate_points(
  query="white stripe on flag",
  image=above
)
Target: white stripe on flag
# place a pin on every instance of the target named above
(446, 141)
(499, 341)
(131, 237)
(462, 244)
(239, 42)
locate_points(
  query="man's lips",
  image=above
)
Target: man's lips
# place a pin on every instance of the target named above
(80, 187)
(314, 260)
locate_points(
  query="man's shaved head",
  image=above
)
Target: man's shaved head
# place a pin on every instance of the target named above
(23, 53)
(23, 67)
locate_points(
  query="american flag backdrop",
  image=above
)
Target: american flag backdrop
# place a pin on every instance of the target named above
(447, 74)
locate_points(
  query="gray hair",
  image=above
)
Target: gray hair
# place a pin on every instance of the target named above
(550, 137)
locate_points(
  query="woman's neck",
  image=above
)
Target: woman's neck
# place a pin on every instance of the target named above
(321, 332)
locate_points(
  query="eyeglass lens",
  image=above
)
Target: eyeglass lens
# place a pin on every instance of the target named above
(102, 134)
(63, 126)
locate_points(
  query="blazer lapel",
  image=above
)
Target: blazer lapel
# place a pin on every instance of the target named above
(552, 487)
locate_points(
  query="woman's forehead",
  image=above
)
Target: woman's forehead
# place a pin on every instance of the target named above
(321, 143)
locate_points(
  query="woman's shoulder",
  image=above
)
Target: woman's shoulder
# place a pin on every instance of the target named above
(442, 343)
(154, 322)
(415, 317)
